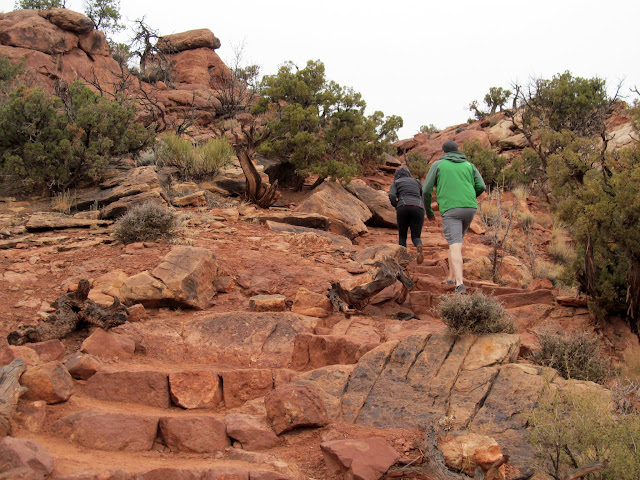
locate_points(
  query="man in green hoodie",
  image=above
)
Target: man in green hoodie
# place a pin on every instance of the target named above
(458, 183)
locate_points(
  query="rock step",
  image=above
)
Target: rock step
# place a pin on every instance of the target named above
(198, 388)
(73, 462)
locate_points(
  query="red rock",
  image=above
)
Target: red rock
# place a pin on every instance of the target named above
(365, 459)
(252, 432)
(168, 473)
(36, 33)
(11, 352)
(312, 304)
(268, 303)
(197, 68)
(32, 415)
(145, 387)
(192, 39)
(137, 313)
(50, 382)
(67, 19)
(82, 366)
(315, 351)
(571, 301)
(291, 406)
(423, 302)
(23, 456)
(468, 452)
(197, 434)
(195, 389)
(512, 300)
(48, 351)
(94, 43)
(109, 431)
(538, 283)
(242, 385)
(109, 345)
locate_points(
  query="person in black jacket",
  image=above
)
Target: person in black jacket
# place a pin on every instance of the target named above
(405, 195)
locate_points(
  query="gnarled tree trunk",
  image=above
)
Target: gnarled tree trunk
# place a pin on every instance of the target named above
(73, 312)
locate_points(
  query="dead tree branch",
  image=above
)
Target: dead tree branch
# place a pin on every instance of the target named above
(10, 391)
(388, 271)
(74, 311)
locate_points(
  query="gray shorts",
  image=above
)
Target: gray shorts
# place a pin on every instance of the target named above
(455, 223)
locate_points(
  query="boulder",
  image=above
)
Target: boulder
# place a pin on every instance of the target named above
(312, 304)
(48, 351)
(196, 434)
(196, 199)
(240, 386)
(10, 352)
(252, 432)
(359, 459)
(178, 42)
(291, 406)
(36, 33)
(52, 221)
(94, 43)
(195, 389)
(146, 387)
(200, 68)
(308, 220)
(109, 431)
(123, 205)
(185, 278)
(310, 238)
(68, 19)
(32, 415)
(24, 457)
(347, 215)
(377, 201)
(108, 345)
(81, 366)
(467, 453)
(50, 382)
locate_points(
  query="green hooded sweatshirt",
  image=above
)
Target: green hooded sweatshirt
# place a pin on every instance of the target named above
(458, 183)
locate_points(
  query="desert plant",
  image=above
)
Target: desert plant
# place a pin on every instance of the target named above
(521, 192)
(145, 222)
(63, 202)
(498, 222)
(475, 313)
(194, 162)
(488, 162)
(573, 430)
(526, 219)
(561, 251)
(418, 165)
(575, 356)
(548, 270)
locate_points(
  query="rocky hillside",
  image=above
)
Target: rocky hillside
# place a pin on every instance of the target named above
(229, 360)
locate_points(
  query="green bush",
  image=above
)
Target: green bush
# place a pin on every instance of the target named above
(488, 162)
(194, 162)
(54, 143)
(418, 165)
(145, 222)
(575, 356)
(475, 313)
(573, 429)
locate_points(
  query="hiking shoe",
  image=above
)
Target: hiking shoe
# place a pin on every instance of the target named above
(450, 282)
(420, 258)
(461, 289)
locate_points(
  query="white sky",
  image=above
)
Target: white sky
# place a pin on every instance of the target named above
(420, 59)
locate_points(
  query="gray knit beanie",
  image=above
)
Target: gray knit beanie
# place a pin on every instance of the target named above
(450, 146)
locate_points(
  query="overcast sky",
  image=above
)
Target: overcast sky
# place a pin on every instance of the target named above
(423, 60)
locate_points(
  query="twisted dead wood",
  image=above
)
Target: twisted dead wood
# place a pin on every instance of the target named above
(74, 311)
(10, 391)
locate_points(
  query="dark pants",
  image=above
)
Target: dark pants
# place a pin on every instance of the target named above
(410, 217)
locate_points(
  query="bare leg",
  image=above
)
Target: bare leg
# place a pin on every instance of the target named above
(455, 263)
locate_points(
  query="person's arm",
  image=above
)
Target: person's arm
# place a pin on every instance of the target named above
(478, 182)
(427, 189)
(393, 197)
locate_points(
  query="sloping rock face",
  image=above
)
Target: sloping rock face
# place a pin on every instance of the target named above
(429, 378)
(377, 201)
(347, 215)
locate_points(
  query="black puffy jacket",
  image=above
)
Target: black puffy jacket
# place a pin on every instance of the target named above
(405, 190)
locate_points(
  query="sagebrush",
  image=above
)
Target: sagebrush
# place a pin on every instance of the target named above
(476, 313)
(195, 162)
(575, 356)
(146, 222)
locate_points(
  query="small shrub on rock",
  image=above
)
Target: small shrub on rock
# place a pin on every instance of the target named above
(575, 356)
(476, 313)
(145, 222)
